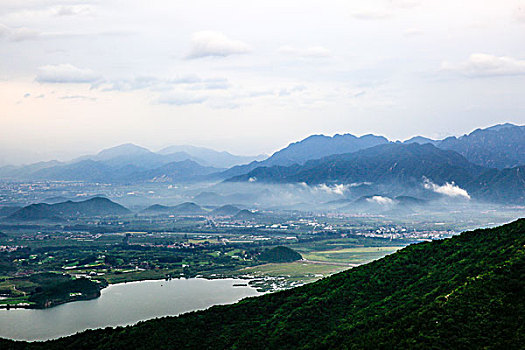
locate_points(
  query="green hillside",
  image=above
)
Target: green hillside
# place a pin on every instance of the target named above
(466, 292)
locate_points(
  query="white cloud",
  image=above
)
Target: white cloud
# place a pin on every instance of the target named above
(210, 43)
(312, 51)
(77, 97)
(380, 200)
(190, 82)
(212, 85)
(485, 65)
(18, 34)
(73, 10)
(448, 189)
(181, 99)
(338, 189)
(66, 74)
(289, 91)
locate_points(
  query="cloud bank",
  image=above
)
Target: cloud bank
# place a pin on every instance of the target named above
(181, 99)
(338, 189)
(66, 74)
(380, 200)
(485, 65)
(449, 189)
(210, 43)
(18, 34)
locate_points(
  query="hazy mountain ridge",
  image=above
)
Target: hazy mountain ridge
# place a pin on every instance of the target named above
(400, 166)
(499, 146)
(210, 157)
(312, 147)
(188, 208)
(97, 206)
(126, 162)
(319, 146)
(174, 171)
(385, 163)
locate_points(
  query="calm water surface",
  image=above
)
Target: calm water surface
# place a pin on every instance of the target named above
(122, 304)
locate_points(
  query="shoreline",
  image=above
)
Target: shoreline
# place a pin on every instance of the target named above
(40, 337)
(108, 285)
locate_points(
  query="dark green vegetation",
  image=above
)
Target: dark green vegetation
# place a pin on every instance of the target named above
(56, 289)
(226, 210)
(110, 259)
(42, 290)
(134, 256)
(464, 292)
(97, 206)
(138, 256)
(279, 254)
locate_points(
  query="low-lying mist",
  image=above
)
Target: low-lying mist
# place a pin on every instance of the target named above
(355, 198)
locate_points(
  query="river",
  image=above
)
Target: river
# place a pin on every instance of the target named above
(122, 304)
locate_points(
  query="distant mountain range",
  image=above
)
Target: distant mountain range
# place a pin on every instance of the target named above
(402, 168)
(500, 146)
(313, 147)
(103, 207)
(97, 206)
(209, 157)
(388, 163)
(488, 163)
(131, 163)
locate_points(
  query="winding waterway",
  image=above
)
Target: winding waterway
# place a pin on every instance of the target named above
(122, 304)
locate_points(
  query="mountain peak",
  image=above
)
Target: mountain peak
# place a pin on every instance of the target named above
(318, 146)
(499, 127)
(126, 149)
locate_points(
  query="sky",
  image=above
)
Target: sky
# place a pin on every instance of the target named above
(250, 77)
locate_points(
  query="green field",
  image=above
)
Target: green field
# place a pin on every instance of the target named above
(356, 256)
(294, 269)
(346, 250)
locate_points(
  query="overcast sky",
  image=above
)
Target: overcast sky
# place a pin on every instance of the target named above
(250, 77)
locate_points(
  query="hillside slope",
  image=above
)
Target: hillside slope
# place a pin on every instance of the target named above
(401, 167)
(464, 292)
(389, 163)
(500, 146)
(312, 147)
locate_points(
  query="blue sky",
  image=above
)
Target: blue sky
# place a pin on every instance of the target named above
(251, 76)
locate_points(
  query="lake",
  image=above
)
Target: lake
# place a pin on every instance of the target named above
(122, 304)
